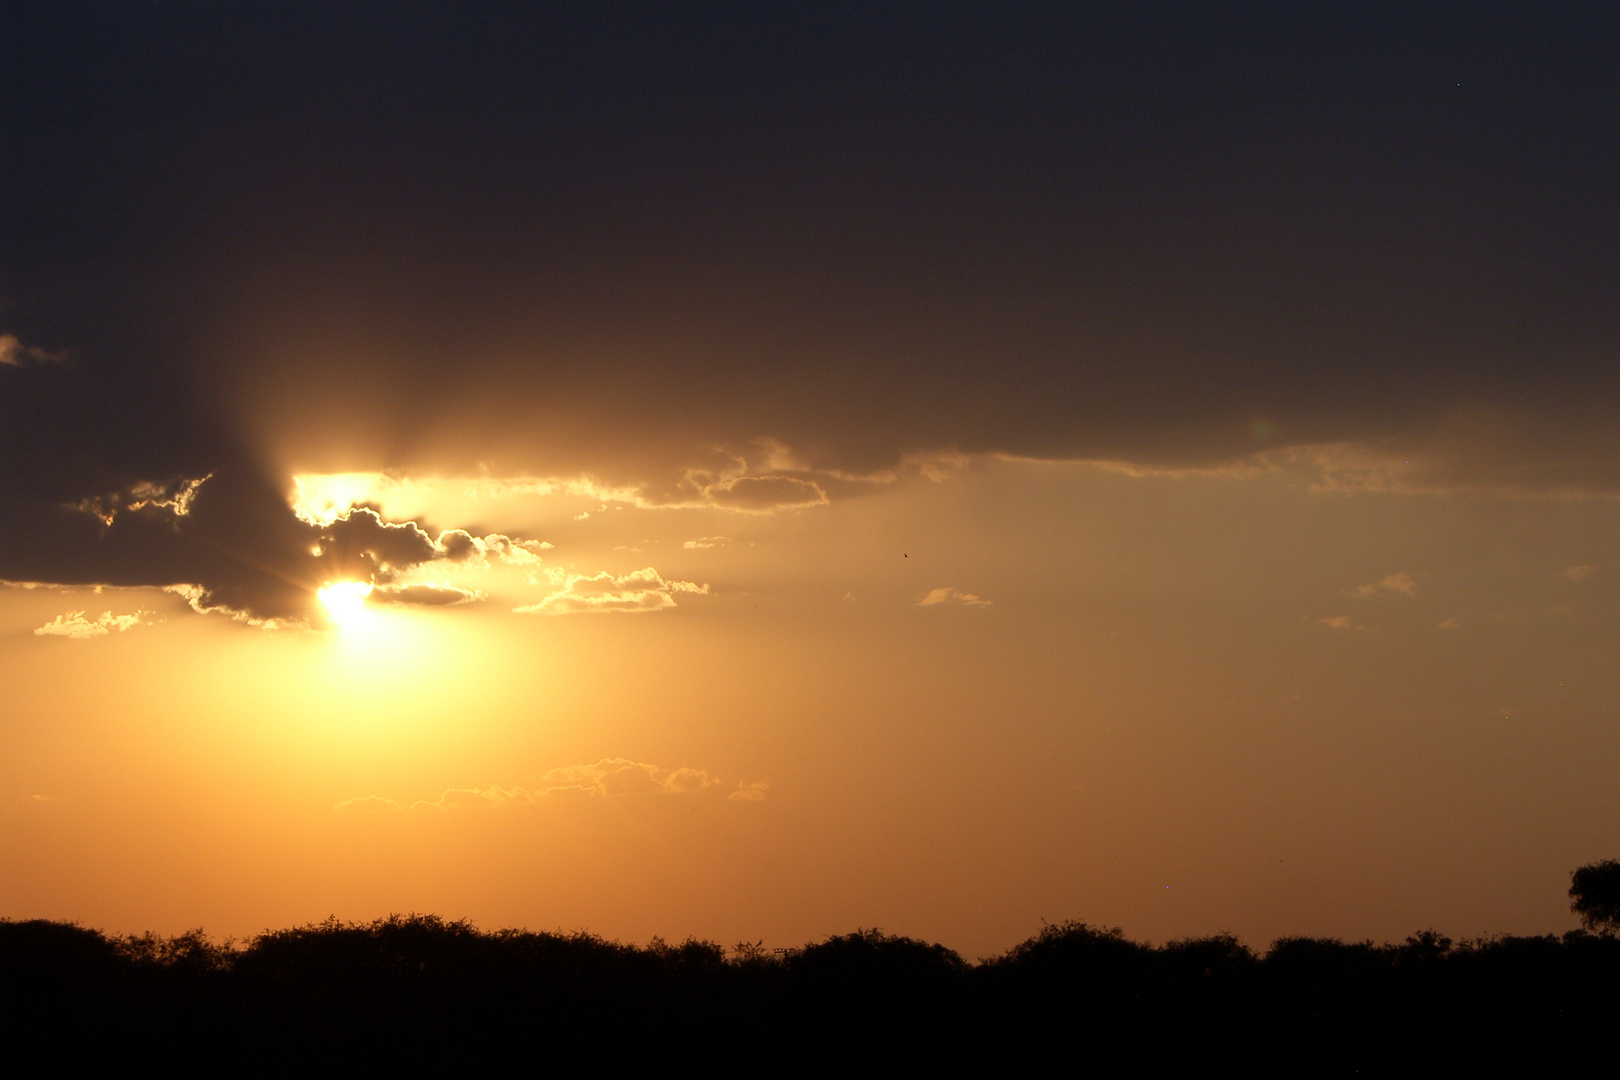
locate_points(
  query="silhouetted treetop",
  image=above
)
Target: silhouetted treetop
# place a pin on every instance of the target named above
(1594, 895)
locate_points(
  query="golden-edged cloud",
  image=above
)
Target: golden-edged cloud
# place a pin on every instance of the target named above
(572, 592)
(174, 495)
(765, 494)
(76, 625)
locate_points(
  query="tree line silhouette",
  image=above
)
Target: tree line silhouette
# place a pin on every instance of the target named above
(416, 991)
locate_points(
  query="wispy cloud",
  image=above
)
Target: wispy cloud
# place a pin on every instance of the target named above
(952, 596)
(1578, 573)
(749, 791)
(622, 776)
(1466, 458)
(607, 778)
(368, 804)
(14, 353)
(490, 798)
(706, 542)
(1394, 583)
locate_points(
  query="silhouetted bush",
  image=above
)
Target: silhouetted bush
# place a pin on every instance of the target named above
(413, 993)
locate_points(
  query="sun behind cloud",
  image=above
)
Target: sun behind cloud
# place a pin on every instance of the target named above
(345, 601)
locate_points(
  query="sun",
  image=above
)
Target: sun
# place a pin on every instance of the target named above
(344, 601)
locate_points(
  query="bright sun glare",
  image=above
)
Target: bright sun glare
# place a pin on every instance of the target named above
(345, 601)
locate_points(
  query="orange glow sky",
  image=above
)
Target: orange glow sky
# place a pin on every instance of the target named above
(1048, 477)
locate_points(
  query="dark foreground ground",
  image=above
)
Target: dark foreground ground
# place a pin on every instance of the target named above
(414, 994)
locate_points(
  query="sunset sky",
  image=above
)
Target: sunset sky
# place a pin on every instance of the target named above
(755, 471)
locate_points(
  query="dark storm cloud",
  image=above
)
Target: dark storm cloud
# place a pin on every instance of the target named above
(361, 545)
(116, 475)
(610, 239)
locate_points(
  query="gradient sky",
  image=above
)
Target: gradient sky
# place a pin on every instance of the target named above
(938, 467)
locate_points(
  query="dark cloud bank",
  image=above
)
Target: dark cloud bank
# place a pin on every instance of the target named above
(241, 240)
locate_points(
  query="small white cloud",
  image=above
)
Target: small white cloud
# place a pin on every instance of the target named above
(1452, 623)
(1579, 573)
(43, 798)
(952, 596)
(75, 625)
(706, 542)
(750, 791)
(1397, 583)
(1336, 622)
